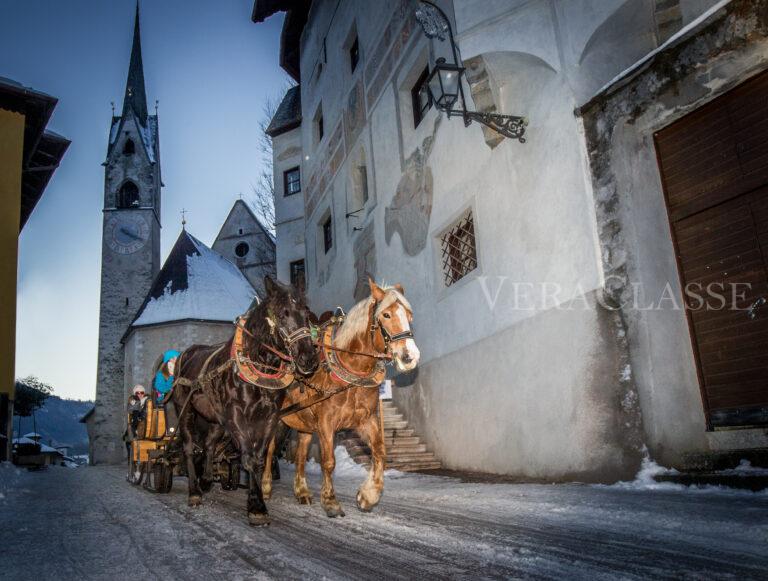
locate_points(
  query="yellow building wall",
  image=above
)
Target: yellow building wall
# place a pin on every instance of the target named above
(11, 151)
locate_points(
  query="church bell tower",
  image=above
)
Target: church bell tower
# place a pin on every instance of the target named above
(130, 249)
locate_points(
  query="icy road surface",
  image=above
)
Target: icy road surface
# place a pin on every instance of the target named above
(88, 523)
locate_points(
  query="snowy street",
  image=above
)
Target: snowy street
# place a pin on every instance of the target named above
(88, 523)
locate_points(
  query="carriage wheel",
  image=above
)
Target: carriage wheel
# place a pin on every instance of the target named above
(232, 481)
(162, 477)
(136, 470)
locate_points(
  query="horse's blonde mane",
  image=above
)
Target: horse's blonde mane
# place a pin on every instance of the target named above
(356, 321)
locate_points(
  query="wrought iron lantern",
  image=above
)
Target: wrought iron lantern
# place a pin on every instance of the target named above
(445, 83)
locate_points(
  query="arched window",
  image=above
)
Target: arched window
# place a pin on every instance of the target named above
(128, 196)
(129, 148)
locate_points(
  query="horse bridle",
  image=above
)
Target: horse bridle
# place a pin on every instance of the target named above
(386, 335)
(288, 340)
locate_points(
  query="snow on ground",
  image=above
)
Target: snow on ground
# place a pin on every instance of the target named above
(645, 480)
(91, 524)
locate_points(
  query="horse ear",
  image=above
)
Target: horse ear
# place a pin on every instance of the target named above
(376, 291)
(269, 285)
(399, 288)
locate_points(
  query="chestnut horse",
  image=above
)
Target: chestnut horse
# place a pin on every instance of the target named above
(376, 329)
(238, 387)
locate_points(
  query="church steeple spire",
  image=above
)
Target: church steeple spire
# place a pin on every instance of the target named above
(135, 94)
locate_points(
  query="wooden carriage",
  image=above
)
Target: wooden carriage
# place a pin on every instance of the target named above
(154, 455)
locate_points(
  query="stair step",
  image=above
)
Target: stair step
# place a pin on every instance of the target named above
(399, 458)
(401, 425)
(397, 432)
(393, 417)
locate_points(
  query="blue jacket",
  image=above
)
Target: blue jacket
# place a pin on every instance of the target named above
(163, 385)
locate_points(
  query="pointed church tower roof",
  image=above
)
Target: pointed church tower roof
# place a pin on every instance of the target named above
(135, 93)
(195, 283)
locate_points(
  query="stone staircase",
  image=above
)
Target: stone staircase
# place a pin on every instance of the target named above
(405, 451)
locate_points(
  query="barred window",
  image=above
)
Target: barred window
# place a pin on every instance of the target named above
(292, 181)
(458, 251)
(297, 274)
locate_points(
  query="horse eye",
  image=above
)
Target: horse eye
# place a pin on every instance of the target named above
(386, 315)
(286, 313)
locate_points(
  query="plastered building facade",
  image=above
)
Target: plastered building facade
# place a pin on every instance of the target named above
(529, 364)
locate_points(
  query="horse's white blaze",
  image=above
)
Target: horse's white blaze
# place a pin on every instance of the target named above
(409, 345)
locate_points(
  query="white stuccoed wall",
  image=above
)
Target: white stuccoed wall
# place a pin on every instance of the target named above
(538, 392)
(289, 210)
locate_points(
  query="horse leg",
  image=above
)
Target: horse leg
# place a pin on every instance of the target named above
(370, 491)
(186, 426)
(215, 432)
(266, 480)
(327, 493)
(300, 488)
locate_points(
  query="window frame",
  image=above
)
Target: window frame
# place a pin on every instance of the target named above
(327, 228)
(354, 54)
(287, 181)
(292, 270)
(419, 112)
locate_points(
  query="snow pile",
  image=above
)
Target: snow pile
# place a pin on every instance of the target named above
(745, 468)
(216, 291)
(645, 479)
(345, 465)
(147, 137)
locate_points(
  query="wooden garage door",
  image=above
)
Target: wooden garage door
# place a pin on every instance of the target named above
(714, 167)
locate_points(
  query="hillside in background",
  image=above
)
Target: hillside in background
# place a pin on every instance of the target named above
(57, 423)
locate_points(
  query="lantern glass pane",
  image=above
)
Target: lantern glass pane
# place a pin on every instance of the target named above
(449, 79)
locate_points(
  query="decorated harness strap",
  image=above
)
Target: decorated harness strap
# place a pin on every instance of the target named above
(249, 371)
(343, 374)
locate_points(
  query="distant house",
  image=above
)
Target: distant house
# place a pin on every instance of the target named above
(29, 452)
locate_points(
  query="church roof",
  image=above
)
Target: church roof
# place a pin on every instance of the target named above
(135, 93)
(195, 283)
(135, 101)
(288, 114)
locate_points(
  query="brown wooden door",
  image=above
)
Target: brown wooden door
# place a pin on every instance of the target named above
(714, 167)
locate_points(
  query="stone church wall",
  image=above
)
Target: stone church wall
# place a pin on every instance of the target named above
(145, 344)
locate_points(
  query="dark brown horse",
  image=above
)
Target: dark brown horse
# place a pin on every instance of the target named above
(375, 330)
(238, 387)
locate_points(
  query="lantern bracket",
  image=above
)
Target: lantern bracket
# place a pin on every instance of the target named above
(435, 24)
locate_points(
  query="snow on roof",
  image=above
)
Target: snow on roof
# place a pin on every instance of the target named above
(670, 41)
(43, 447)
(195, 283)
(32, 435)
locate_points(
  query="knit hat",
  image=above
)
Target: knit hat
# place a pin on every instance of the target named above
(138, 388)
(170, 354)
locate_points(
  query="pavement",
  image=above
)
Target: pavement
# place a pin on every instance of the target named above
(89, 523)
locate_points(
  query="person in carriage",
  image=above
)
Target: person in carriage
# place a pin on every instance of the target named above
(164, 377)
(136, 411)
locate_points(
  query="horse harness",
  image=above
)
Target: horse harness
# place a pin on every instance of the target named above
(338, 371)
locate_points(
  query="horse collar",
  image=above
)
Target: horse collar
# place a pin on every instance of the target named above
(247, 369)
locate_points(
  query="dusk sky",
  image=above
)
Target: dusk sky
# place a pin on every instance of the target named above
(212, 70)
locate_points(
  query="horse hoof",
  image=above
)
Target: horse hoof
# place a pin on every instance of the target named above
(258, 519)
(365, 505)
(305, 500)
(195, 500)
(333, 512)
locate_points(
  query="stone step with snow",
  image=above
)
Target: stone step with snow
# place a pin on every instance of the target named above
(405, 450)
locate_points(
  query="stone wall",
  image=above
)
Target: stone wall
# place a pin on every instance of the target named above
(125, 282)
(145, 345)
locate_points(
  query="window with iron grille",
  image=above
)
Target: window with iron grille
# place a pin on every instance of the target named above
(458, 253)
(297, 274)
(292, 181)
